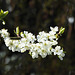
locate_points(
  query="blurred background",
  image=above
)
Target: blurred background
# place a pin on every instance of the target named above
(35, 16)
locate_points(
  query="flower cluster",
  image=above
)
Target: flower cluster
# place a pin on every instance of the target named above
(44, 44)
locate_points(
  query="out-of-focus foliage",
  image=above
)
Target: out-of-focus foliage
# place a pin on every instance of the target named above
(35, 16)
(2, 15)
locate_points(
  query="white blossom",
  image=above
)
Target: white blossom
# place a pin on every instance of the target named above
(61, 56)
(4, 33)
(34, 55)
(57, 50)
(55, 29)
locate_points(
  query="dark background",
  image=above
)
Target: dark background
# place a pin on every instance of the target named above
(35, 16)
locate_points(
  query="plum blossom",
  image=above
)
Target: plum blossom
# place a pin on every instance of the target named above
(45, 43)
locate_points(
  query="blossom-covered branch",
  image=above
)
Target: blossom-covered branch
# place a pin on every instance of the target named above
(45, 43)
(42, 45)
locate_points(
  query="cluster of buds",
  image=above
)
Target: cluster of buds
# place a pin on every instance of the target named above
(42, 45)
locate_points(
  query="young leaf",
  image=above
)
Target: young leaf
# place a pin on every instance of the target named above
(17, 30)
(3, 14)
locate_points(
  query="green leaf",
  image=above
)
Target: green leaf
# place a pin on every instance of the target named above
(3, 14)
(14, 31)
(1, 11)
(30, 53)
(17, 30)
(61, 30)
